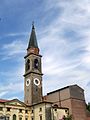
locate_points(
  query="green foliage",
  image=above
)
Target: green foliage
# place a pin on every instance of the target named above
(88, 107)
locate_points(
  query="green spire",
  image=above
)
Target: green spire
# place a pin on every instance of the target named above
(33, 39)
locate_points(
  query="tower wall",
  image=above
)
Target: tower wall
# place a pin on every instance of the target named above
(33, 72)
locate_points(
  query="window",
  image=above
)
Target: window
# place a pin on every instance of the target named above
(20, 118)
(26, 111)
(32, 111)
(26, 118)
(7, 118)
(14, 117)
(55, 109)
(55, 105)
(27, 65)
(20, 110)
(66, 111)
(8, 109)
(1, 108)
(32, 118)
(40, 117)
(40, 109)
(36, 63)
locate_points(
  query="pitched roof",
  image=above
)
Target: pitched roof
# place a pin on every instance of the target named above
(64, 88)
(33, 40)
(12, 101)
(3, 100)
(16, 100)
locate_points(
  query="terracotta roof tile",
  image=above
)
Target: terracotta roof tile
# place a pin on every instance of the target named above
(3, 101)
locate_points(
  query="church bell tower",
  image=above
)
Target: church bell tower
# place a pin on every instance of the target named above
(33, 72)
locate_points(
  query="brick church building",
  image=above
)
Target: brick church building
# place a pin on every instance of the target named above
(66, 101)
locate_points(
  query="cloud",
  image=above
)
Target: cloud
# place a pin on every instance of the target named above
(6, 90)
(3, 93)
(64, 41)
(19, 34)
(11, 82)
(13, 49)
(12, 87)
(12, 90)
(66, 45)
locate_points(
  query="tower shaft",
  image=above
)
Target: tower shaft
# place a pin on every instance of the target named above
(33, 72)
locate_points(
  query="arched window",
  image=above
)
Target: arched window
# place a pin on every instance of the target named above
(14, 117)
(7, 118)
(36, 63)
(20, 118)
(55, 105)
(27, 65)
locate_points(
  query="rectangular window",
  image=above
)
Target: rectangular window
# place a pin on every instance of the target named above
(32, 118)
(26, 118)
(1, 108)
(8, 109)
(40, 117)
(26, 111)
(40, 109)
(20, 110)
(32, 111)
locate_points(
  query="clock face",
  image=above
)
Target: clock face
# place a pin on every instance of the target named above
(28, 82)
(36, 81)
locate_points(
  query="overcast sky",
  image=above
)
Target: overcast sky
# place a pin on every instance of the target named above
(63, 34)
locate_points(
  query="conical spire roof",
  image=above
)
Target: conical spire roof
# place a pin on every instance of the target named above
(33, 40)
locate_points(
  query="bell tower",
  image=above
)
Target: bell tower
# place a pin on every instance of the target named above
(33, 72)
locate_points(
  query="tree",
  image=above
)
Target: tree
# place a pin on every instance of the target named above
(88, 107)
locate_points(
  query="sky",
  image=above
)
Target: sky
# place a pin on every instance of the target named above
(63, 35)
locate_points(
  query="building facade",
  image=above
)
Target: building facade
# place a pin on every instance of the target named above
(71, 97)
(34, 107)
(17, 110)
(13, 110)
(54, 106)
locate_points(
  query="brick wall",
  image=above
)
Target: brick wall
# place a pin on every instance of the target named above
(88, 118)
(71, 97)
